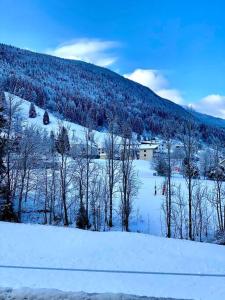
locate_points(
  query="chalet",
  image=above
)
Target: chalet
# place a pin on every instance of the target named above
(102, 153)
(147, 150)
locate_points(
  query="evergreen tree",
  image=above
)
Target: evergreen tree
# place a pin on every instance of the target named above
(32, 111)
(62, 142)
(63, 148)
(160, 164)
(46, 120)
(81, 220)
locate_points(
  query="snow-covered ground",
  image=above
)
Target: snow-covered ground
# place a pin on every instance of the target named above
(48, 246)
(147, 214)
(50, 294)
(74, 130)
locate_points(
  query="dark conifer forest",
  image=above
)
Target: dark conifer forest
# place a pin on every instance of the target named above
(86, 94)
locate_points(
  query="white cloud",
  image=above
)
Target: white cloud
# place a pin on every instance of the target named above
(171, 94)
(156, 81)
(150, 78)
(212, 105)
(98, 52)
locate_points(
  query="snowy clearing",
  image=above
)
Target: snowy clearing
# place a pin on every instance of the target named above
(48, 246)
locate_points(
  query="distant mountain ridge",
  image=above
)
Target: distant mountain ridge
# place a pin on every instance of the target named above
(84, 93)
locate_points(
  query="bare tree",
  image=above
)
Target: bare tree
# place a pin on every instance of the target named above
(112, 164)
(11, 109)
(97, 197)
(29, 155)
(190, 146)
(179, 213)
(128, 182)
(79, 183)
(53, 170)
(63, 148)
(168, 142)
(84, 174)
(201, 214)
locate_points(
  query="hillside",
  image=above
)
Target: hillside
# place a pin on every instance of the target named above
(76, 132)
(84, 93)
(72, 248)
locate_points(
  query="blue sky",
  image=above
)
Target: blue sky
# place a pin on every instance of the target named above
(177, 48)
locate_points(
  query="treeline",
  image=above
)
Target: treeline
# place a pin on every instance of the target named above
(47, 179)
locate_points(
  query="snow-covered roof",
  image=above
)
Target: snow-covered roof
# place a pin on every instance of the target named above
(148, 146)
(222, 161)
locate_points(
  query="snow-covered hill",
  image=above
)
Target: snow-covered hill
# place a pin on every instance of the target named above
(82, 91)
(46, 246)
(75, 131)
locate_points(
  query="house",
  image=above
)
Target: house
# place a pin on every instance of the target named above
(118, 151)
(102, 153)
(147, 151)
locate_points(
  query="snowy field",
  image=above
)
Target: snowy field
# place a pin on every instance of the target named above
(147, 216)
(48, 246)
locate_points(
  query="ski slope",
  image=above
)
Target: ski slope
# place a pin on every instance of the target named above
(57, 247)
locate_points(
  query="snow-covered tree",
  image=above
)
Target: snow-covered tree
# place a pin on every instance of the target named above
(46, 120)
(62, 141)
(32, 111)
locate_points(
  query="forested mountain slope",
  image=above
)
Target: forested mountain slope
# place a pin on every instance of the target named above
(84, 93)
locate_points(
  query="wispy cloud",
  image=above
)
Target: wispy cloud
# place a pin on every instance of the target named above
(155, 80)
(96, 51)
(212, 105)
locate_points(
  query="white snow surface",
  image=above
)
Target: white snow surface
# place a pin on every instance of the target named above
(48, 246)
(52, 294)
(73, 129)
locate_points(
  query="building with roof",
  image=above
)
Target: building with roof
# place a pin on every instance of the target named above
(147, 151)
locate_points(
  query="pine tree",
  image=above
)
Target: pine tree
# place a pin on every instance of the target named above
(46, 120)
(62, 142)
(32, 111)
(81, 220)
